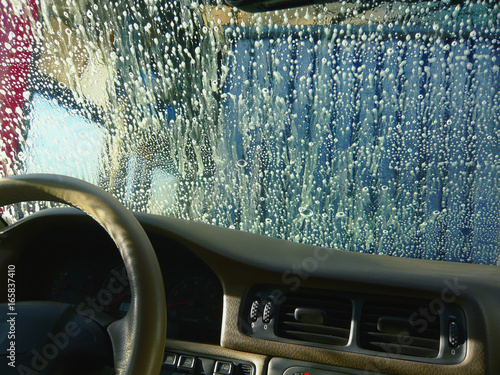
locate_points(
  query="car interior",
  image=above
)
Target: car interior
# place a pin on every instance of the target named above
(182, 239)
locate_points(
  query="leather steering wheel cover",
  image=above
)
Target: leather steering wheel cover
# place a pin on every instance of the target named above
(138, 339)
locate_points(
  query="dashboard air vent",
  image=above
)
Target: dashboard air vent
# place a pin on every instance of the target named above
(245, 369)
(398, 328)
(320, 319)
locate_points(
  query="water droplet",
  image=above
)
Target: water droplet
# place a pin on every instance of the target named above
(384, 187)
(306, 212)
(340, 214)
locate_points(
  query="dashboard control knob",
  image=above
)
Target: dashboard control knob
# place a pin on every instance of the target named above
(453, 334)
(268, 312)
(254, 310)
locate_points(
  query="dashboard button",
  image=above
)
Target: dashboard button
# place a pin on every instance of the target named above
(186, 363)
(170, 359)
(223, 368)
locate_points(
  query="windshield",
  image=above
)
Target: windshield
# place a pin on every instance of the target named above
(363, 126)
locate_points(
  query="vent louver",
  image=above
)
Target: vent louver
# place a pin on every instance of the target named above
(318, 319)
(397, 328)
(245, 369)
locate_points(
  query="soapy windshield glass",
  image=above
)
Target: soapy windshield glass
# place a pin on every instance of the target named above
(364, 126)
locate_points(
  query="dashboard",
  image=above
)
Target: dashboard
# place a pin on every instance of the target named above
(243, 304)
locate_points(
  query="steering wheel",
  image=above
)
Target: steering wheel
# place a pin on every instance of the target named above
(138, 339)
